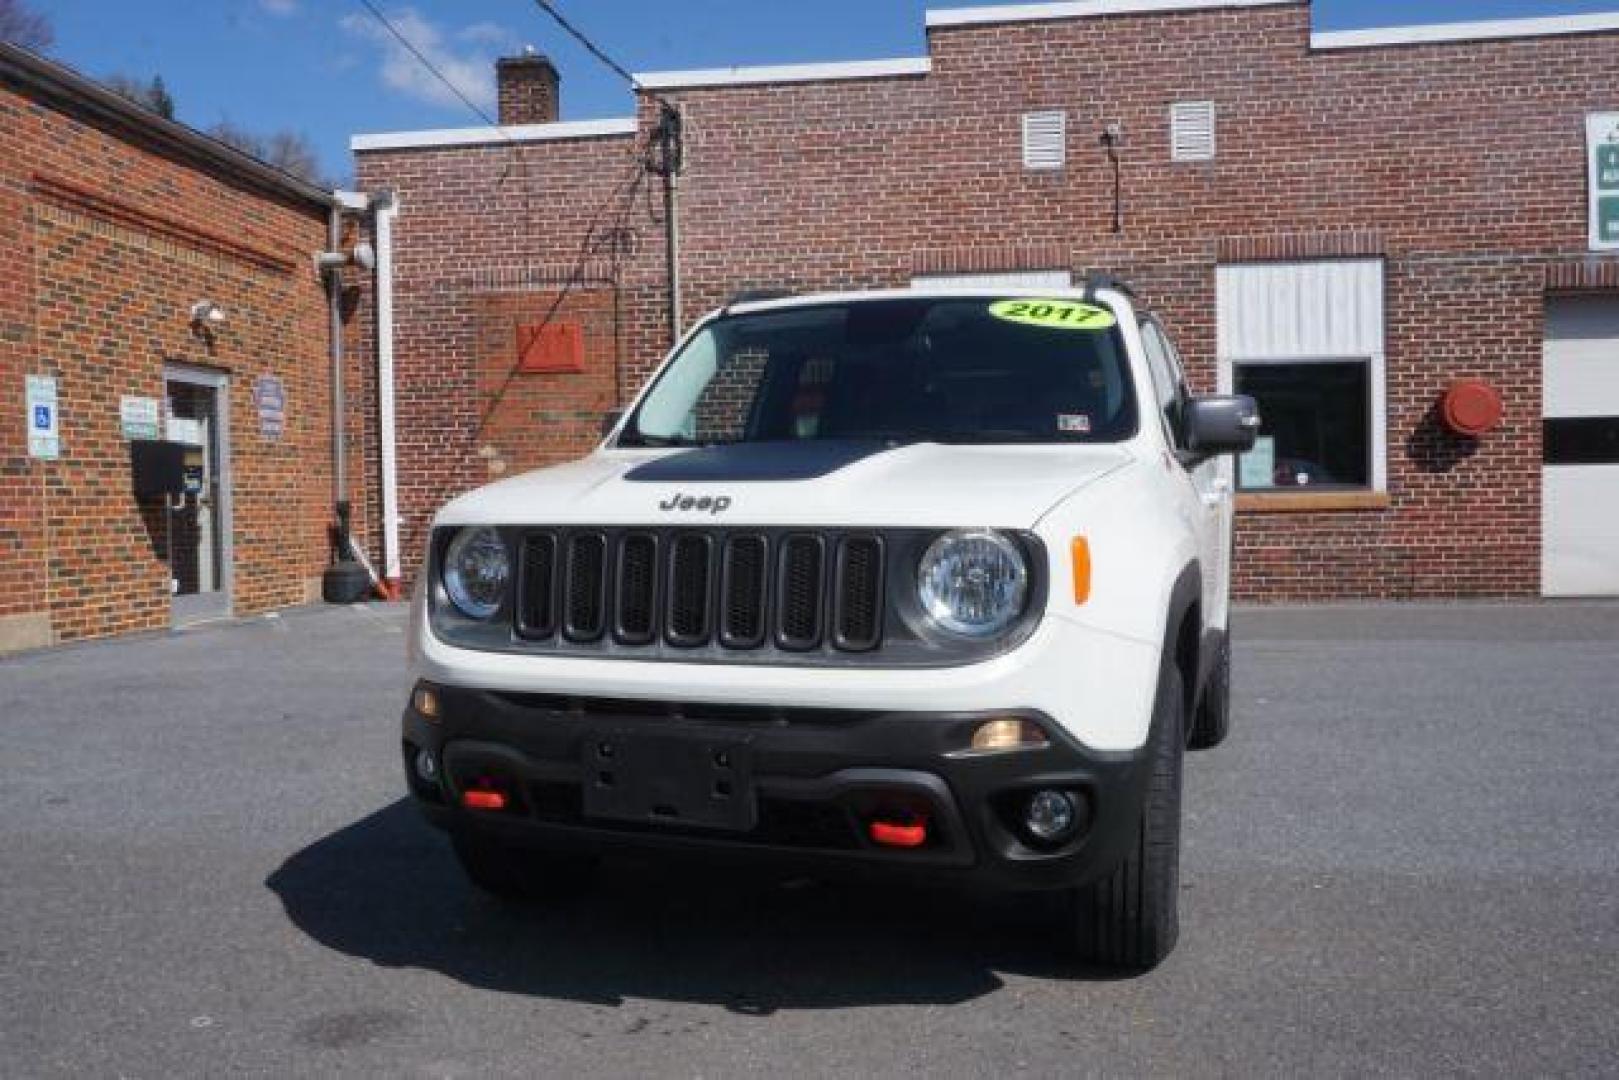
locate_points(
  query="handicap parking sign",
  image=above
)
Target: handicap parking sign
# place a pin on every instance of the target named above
(44, 439)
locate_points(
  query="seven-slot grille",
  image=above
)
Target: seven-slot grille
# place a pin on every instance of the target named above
(697, 588)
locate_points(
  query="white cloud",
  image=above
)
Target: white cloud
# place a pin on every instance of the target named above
(465, 57)
(279, 7)
(491, 34)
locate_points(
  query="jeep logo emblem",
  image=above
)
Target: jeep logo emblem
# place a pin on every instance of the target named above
(708, 504)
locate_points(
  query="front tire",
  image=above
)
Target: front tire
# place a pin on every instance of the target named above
(519, 874)
(1212, 723)
(1130, 919)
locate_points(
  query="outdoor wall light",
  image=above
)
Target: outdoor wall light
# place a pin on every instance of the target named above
(206, 313)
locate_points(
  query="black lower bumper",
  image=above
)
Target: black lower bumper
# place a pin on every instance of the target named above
(794, 787)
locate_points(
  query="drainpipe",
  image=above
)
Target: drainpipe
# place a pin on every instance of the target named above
(387, 208)
(348, 579)
(334, 305)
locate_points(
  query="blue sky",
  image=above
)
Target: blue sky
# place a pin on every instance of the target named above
(326, 68)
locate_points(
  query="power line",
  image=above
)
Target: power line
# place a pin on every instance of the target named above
(624, 193)
(590, 46)
(670, 137)
(431, 67)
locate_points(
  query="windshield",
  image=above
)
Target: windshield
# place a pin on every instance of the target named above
(909, 370)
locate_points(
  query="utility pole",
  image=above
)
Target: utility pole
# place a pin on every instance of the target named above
(669, 163)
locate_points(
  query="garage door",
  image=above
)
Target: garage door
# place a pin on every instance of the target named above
(1580, 503)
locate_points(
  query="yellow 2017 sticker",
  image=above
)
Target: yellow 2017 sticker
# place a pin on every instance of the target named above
(1054, 314)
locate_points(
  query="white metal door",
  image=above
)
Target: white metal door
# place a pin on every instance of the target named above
(1580, 489)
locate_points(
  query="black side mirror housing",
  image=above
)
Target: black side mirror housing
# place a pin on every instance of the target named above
(1223, 424)
(610, 421)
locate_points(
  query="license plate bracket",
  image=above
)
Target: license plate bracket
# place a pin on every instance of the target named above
(684, 780)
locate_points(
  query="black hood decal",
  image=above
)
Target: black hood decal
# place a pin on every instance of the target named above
(759, 462)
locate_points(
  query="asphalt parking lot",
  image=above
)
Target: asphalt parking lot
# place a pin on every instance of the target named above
(1406, 861)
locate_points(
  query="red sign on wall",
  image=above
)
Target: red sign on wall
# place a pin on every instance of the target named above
(554, 348)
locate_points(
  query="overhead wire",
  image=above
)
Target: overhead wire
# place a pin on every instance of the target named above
(433, 69)
(595, 50)
(624, 194)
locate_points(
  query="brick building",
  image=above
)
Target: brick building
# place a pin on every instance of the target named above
(156, 286)
(1345, 224)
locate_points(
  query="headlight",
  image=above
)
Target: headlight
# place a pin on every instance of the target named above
(973, 583)
(476, 572)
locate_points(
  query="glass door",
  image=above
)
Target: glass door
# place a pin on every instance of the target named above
(199, 525)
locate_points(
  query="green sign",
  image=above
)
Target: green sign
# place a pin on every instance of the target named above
(1602, 142)
(1608, 221)
(1608, 168)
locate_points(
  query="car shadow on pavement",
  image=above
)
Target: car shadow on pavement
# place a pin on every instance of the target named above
(387, 889)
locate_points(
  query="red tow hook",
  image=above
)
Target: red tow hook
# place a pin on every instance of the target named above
(909, 833)
(481, 799)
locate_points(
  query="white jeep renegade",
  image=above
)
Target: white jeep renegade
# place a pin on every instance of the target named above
(931, 581)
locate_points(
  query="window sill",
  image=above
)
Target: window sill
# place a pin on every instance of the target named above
(1287, 502)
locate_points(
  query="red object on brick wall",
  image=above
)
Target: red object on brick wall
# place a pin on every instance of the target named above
(1471, 407)
(555, 348)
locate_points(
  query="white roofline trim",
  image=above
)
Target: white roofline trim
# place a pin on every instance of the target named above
(1495, 29)
(785, 73)
(482, 136)
(1085, 9)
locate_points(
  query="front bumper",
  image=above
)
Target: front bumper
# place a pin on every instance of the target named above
(1096, 685)
(814, 781)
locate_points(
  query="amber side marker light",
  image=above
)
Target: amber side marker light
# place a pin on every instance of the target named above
(1080, 550)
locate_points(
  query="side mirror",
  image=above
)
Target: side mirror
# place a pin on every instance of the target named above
(610, 421)
(1227, 424)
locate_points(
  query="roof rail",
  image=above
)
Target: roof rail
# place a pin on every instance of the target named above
(1097, 280)
(757, 296)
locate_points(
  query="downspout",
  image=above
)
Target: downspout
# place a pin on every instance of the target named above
(334, 305)
(349, 578)
(386, 205)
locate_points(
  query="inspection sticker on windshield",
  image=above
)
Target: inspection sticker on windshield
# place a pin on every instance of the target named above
(1054, 314)
(1074, 423)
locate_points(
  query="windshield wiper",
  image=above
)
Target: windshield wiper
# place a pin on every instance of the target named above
(675, 442)
(983, 436)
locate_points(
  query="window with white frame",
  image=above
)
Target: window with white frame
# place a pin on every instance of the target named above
(1306, 340)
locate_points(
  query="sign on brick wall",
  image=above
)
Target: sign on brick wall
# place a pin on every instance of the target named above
(138, 417)
(44, 425)
(270, 398)
(1603, 132)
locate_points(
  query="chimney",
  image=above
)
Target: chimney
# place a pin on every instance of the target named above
(530, 89)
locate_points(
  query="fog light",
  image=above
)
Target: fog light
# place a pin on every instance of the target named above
(424, 699)
(1051, 816)
(427, 766)
(998, 736)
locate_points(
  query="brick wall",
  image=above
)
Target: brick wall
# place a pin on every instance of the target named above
(1463, 164)
(105, 243)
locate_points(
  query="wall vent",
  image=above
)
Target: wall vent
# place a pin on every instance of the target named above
(1045, 140)
(1191, 131)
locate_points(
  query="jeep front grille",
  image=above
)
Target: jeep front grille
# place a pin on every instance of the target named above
(685, 590)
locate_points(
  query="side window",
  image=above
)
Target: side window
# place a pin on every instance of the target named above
(1167, 381)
